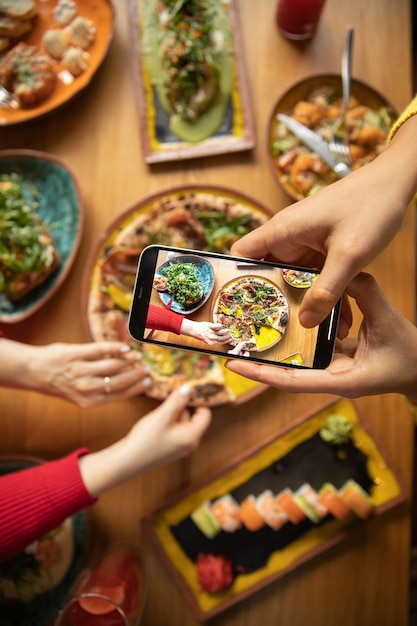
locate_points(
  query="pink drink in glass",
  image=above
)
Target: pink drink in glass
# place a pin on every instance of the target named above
(110, 594)
(298, 19)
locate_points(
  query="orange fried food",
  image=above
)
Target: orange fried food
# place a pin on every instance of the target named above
(28, 73)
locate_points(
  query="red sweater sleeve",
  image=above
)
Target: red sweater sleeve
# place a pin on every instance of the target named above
(163, 319)
(36, 500)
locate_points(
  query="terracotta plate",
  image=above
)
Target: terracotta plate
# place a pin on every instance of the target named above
(242, 389)
(364, 93)
(102, 14)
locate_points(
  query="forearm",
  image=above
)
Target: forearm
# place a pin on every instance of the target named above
(108, 468)
(409, 111)
(15, 365)
(401, 156)
(164, 435)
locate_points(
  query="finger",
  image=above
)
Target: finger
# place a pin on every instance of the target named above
(224, 332)
(346, 318)
(97, 350)
(369, 297)
(109, 366)
(286, 237)
(218, 326)
(172, 408)
(251, 246)
(123, 381)
(200, 421)
(137, 388)
(326, 290)
(102, 391)
(292, 380)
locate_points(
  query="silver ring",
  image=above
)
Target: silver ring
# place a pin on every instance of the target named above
(107, 384)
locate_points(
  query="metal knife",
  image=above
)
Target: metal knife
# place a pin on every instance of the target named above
(313, 141)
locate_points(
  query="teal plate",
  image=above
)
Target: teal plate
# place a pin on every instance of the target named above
(48, 181)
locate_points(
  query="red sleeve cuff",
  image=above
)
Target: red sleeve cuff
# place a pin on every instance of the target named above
(159, 318)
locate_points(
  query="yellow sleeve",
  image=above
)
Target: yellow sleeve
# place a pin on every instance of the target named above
(409, 111)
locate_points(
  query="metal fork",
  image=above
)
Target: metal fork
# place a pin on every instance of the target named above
(7, 99)
(339, 143)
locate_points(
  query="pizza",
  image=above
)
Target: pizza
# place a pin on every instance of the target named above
(191, 219)
(254, 310)
(186, 219)
(171, 368)
(28, 254)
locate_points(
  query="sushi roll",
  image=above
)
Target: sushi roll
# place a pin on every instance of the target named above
(249, 514)
(306, 497)
(226, 512)
(285, 500)
(357, 498)
(270, 510)
(205, 521)
(330, 498)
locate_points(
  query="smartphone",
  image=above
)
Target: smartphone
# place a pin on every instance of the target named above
(228, 306)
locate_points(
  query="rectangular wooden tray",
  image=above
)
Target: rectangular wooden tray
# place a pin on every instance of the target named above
(236, 135)
(387, 492)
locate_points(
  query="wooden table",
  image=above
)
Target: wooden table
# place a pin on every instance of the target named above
(362, 581)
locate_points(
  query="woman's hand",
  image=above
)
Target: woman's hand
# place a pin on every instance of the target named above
(85, 374)
(382, 359)
(209, 332)
(166, 434)
(342, 227)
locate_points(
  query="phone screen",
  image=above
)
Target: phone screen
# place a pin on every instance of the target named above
(231, 307)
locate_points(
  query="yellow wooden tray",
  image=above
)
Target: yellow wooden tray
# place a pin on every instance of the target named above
(387, 490)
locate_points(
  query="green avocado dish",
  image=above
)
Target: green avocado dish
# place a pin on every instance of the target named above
(187, 47)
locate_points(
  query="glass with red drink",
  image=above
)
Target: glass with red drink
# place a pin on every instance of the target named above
(298, 19)
(110, 593)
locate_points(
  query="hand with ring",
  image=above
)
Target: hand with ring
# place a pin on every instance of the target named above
(107, 384)
(87, 374)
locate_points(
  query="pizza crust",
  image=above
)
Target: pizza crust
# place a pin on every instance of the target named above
(171, 221)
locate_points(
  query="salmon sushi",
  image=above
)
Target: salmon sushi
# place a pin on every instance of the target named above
(226, 512)
(330, 498)
(249, 514)
(357, 498)
(270, 510)
(286, 502)
(307, 498)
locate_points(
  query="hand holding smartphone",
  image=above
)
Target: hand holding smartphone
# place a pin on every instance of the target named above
(228, 306)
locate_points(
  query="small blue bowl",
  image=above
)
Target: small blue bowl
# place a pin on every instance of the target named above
(205, 274)
(49, 181)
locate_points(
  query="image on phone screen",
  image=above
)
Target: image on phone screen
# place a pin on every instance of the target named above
(228, 306)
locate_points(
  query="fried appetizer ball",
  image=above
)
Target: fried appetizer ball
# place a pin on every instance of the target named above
(28, 73)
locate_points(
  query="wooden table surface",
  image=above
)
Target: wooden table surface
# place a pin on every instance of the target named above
(362, 581)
